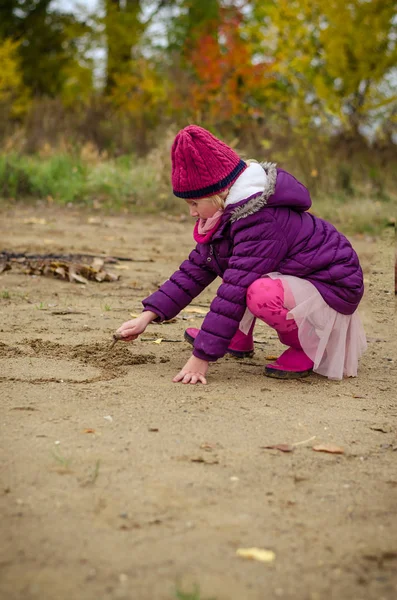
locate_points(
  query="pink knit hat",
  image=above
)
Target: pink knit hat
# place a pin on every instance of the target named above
(202, 165)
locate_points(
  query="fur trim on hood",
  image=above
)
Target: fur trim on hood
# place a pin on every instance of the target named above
(252, 206)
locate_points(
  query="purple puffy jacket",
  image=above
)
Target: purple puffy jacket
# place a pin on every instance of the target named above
(268, 232)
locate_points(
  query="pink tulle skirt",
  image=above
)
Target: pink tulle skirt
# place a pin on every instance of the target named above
(333, 341)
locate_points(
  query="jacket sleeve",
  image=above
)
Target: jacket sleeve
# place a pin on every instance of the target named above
(290, 192)
(185, 284)
(259, 246)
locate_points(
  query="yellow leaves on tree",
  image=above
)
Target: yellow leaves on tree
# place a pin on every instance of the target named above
(141, 91)
(330, 56)
(11, 87)
(141, 96)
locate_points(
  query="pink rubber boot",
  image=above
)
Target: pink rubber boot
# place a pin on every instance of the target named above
(293, 363)
(241, 345)
(265, 299)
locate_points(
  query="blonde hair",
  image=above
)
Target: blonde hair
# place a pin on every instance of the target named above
(219, 199)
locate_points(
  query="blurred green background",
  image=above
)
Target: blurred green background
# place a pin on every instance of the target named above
(92, 94)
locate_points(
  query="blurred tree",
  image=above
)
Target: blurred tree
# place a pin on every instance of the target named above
(331, 58)
(13, 97)
(49, 44)
(123, 29)
(141, 96)
(218, 81)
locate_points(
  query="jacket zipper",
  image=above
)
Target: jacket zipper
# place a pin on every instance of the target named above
(213, 256)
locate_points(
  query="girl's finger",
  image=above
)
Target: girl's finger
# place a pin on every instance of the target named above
(193, 380)
(129, 333)
(203, 379)
(187, 378)
(126, 332)
(178, 377)
(129, 338)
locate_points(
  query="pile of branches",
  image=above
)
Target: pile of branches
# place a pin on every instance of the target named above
(79, 268)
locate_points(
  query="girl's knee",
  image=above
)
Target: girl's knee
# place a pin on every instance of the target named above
(254, 291)
(265, 298)
(269, 292)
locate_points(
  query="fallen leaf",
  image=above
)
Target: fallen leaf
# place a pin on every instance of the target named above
(381, 428)
(158, 341)
(197, 310)
(62, 470)
(73, 276)
(330, 448)
(200, 459)
(4, 266)
(266, 556)
(208, 447)
(98, 263)
(88, 430)
(282, 447)
(153, 429)
(134, 316)
(35, 221)
(271, 357)
(61, 272)
(108, 418)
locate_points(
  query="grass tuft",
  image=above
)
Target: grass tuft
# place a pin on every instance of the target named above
(193, 595)
(142, 186)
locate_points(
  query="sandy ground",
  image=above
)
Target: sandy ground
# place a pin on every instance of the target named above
(118, 484)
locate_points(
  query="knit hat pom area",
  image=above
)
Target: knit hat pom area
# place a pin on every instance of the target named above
(202, 165)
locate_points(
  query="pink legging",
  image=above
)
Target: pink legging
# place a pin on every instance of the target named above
(265, 299)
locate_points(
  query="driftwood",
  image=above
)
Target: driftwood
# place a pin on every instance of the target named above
(20, 256)
(69, 267)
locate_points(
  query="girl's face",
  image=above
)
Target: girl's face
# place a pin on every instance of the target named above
(203, 209)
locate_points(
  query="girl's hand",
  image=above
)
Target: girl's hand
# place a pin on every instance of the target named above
(194, 371)
(130, 330)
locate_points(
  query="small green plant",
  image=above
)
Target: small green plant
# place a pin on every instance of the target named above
(62, 460)
(40, 306)
(94, 475)
(193, 595)
(107, 307)
(5, 294)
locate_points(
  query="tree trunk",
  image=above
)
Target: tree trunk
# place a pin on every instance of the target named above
(123, 30)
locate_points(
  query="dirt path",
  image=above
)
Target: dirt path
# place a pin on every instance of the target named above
(118, 484)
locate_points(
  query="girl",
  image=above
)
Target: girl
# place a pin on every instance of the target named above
(278, 263)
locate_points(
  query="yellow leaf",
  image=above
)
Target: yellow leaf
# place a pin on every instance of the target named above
(330, 448)
(35, 221)
(256, 554)
(158, 341)
(134, 316)
(196, 310)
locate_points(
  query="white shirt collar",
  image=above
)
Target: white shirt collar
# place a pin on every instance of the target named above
(251, 181)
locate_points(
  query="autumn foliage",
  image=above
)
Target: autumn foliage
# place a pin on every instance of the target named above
(306, 81)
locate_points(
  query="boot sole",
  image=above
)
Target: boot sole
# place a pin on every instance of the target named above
(279, 374)
(235, 353)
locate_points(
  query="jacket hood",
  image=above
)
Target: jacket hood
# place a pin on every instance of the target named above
(280, 190)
